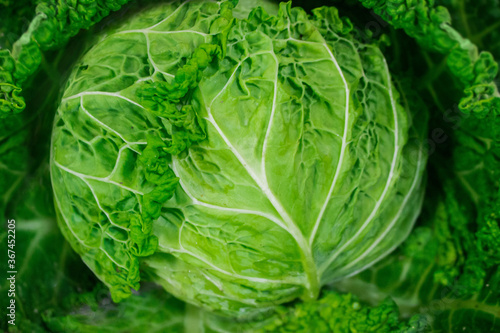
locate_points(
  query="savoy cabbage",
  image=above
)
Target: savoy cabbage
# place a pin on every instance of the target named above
(263, 162)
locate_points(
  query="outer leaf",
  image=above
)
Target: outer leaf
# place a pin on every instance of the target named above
(477, 21)
(131, 315)
(47, 269)
(431, 26)
(111, 177)
(54, 23)
(331, 313)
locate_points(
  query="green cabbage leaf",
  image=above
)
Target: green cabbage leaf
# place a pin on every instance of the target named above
(248, 160)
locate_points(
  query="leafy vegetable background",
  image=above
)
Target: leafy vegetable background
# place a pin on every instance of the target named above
(445, 277)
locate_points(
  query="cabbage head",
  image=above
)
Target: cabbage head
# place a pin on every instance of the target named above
(241, 159)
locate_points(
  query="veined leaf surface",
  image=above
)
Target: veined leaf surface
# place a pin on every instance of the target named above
(292, 149)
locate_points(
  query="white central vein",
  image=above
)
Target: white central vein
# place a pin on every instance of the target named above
(101, 93)
(271, 119)
(152, 32)
(197, 202)
(374, 212)
(288, 222)
(342, 150)
(261, 181)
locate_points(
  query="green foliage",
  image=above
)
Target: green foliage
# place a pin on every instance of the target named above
(448, 267)
(140, 179)
(430, 25)
(54, 23)
(313, 154)
(340, 313)
(330, 313)
(94, 312)
(242, 158)
(48, 270)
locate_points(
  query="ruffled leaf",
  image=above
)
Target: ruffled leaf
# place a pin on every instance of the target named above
(430, 25)
(124, 178)
(55, 22)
